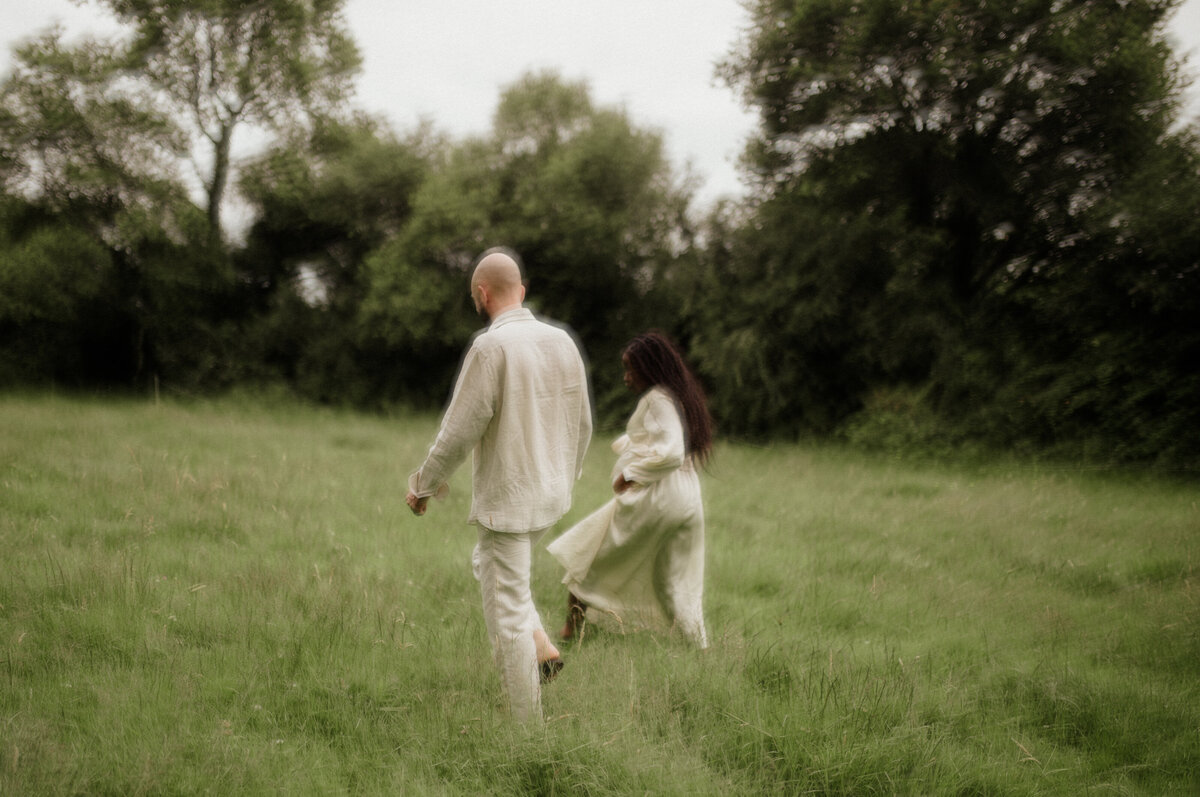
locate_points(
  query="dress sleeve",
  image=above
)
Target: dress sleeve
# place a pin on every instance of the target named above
(659, 448)
(467, 417)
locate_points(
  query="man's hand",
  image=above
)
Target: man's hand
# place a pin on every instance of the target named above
(417, 505)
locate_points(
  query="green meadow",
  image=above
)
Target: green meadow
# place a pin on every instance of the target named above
(230, 597)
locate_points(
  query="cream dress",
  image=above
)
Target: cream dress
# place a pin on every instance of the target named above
(640, 557)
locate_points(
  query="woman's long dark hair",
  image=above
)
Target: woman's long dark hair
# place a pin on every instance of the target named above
(654, 358)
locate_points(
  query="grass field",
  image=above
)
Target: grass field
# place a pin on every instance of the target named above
(231, 598)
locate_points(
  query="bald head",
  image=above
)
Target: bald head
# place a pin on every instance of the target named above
(496, 283)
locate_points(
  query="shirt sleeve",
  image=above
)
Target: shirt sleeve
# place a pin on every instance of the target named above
(467, 417)
(585, 429)
(662, 450)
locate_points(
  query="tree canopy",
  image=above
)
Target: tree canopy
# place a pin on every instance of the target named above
(930, 176)
(966, 223)
(221, 64)
(94, 141)
(586, 197)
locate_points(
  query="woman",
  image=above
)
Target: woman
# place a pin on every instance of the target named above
(641, 555)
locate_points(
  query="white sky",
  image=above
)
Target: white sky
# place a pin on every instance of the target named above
(447, 60)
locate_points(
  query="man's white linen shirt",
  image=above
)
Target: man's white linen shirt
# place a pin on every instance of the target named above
(521, 402)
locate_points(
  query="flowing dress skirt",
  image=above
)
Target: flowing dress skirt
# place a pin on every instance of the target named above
(640, 556)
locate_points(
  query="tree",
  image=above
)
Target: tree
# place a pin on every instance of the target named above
(1119, 336)
(927, 170)
(325, 201)
(220, 64)
(92, 139)
(71, 145)
(588, 200)
(49, 285)
(102, 253)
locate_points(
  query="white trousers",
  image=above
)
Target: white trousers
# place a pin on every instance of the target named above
(502, 562)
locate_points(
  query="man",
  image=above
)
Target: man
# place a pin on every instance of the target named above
(521, 403)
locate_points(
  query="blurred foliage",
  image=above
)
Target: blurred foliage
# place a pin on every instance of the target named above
(325, 201)
(217, 65)
(104, 268)
(359, 258)
(587, 199)
(968, 225)
(954, 198)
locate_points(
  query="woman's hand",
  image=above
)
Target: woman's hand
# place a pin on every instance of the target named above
(622, 484)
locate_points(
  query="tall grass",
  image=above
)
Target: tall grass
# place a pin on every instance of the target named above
(231, 597)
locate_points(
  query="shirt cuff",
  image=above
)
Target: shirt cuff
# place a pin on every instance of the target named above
(439, 493)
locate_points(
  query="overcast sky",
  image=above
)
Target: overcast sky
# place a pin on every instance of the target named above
(447, 60)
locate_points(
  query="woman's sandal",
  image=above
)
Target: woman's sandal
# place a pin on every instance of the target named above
(576, 618)
(550, 668)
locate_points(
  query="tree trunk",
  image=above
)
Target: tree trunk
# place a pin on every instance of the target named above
(216, 189)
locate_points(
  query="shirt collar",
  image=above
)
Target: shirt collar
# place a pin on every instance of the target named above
(515, 314)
